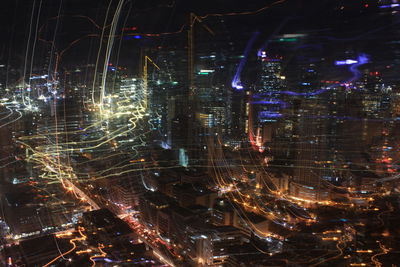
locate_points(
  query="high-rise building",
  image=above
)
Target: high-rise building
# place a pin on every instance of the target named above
(267, 103)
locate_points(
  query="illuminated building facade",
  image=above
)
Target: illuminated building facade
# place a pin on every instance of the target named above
(266, 104)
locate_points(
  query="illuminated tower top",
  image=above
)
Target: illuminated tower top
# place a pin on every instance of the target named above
(271, 78)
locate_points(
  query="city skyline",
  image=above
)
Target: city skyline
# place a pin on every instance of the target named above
(209, 133)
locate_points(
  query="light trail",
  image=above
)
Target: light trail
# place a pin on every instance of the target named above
(27, 50)
(72, 242)
(374, 258)
(9, 114)
(102, 255)
(14, 120)
(109, 47)
(98, 53)
(245, 12)
(50, 155)
(45, 157)
(338, 246)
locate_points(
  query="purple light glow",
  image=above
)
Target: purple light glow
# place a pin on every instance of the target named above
(362, 59)
(261, 51)
(236, 79)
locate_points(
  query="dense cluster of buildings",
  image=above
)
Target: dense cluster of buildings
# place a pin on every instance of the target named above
(212, 151)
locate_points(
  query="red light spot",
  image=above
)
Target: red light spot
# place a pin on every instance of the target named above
(130, 29)
(366, 5)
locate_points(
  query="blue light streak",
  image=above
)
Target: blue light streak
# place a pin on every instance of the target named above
(283, 104)
(292, 93)
(390, 6)
(269, 114)
(345, 62)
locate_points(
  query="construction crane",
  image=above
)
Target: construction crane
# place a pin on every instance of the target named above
(192, 19)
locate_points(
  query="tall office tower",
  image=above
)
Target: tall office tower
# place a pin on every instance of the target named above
(9, 74)
(315, 125)
(49, 77)
(373, 94)
(266, 104)
(239, 117)
(334, 101)
(78, 81)
(311, 152)
(173, 64)
(271, 76)
(3, 78)
(212, 96)
(158, 107)
(210, 103)
(7, 148)
(165, 86)
(302, 77)
(112, 83)
(309, 78)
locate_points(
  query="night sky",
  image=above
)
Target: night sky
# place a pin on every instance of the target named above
(158, 16)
